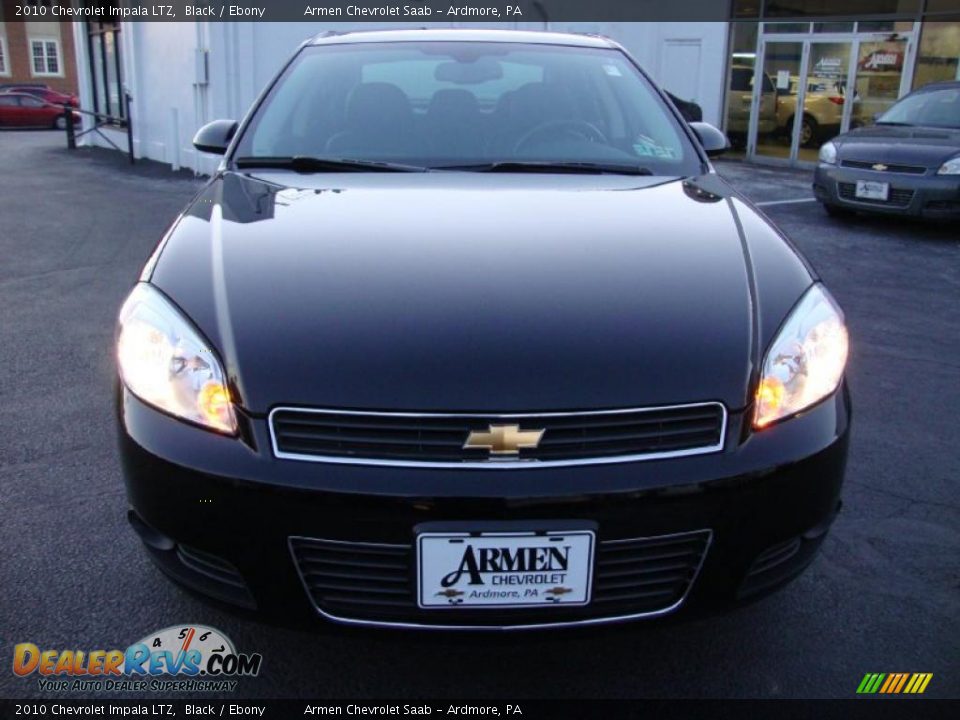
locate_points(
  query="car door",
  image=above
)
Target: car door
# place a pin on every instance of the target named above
(9, 110)
(35, 112)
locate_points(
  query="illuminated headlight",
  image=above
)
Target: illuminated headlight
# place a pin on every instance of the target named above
(828, 153)
(805, 362)
(165, 362)
(950, 167)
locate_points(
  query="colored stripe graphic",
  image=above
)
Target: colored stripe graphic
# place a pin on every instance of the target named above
(903, 679)
(894, 683)
(918, 683)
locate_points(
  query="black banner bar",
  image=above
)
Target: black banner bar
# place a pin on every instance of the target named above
(854, 709)
(372, 11)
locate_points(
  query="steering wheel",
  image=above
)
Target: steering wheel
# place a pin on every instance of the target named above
(576, 129)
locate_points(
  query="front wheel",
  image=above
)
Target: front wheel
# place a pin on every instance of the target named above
(809, 132)
(60, 122)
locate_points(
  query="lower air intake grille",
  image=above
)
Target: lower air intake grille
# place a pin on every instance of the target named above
(410, 438)
(376, 583)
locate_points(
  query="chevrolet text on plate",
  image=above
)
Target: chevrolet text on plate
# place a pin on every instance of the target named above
(466, 332)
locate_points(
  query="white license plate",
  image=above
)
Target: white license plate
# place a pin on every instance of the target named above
(870, 190)
(508, 569)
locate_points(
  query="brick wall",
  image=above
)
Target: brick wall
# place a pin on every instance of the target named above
(19, 56)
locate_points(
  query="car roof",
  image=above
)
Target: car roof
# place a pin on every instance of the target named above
(464, 35)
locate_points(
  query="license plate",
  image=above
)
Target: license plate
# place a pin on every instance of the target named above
(504, 569)
(871, 190)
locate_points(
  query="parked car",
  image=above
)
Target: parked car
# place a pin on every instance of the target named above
(822, 110)
(739, 100)
(44, 92)
(908, 163)
(22, 110)
(551, 371)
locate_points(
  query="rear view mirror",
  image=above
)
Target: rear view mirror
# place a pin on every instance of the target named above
(714, 142)
(469, 73)
(215, 137)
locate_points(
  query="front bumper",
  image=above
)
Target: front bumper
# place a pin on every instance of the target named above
(225, 517)
(929, 195)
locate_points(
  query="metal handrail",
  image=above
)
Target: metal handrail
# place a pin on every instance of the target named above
(99, 120)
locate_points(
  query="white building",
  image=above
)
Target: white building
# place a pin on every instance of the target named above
(184, 74)
(749, 76)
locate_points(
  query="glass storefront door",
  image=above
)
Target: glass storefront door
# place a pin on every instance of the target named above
(809, 104)
(805, 90)
(779, 69)
(827, 88)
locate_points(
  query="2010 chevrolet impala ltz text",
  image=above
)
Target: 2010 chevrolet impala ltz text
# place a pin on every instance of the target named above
(466, 332)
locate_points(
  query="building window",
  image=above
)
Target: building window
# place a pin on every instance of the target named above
(939, 56)
(45, 56)
(4, 68)
(106, 81)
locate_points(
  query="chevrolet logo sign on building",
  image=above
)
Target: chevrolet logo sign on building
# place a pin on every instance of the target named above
(503, 439)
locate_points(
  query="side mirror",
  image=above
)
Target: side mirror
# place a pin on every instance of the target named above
(713, 141)
(214, 137)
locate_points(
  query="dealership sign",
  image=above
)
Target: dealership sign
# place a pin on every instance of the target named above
(882, 60)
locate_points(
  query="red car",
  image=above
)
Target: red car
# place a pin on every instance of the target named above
(22, 110)
(44, 92)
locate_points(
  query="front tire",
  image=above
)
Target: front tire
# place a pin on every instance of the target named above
(60, 122)
(809, 132)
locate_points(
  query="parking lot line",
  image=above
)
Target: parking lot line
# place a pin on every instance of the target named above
(784, 202)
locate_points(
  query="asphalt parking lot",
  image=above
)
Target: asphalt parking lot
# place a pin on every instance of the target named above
(884, 595)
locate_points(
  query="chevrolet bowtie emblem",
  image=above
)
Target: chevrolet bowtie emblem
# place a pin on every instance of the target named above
(879, 167)
(503, 439)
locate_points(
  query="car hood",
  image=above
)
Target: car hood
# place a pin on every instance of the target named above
(473, 292)
(891, 144)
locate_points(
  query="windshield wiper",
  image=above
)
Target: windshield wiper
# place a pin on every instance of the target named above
(893, 122)
(309, 164)
(522, 166)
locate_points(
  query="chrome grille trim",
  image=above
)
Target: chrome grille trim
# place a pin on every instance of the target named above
(889, 167)
(495, 463)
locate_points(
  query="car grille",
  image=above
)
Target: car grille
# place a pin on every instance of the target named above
(898, 197)
(376, 583)
(903, 169)
(406, 438)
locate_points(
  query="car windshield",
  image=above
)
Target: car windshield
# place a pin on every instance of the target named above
(933, 108)
(468, 105)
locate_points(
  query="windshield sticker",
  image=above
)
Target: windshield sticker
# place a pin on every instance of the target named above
(649, 148)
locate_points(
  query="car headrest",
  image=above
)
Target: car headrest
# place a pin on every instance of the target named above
(378, 103)
(454, 102)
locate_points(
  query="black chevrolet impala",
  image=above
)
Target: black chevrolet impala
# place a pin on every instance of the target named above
(465, 332)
